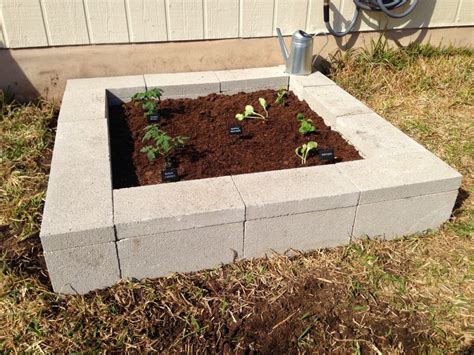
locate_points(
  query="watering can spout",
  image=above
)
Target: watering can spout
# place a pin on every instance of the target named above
(284, 50)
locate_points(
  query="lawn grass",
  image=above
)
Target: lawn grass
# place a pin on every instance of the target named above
(413, 294)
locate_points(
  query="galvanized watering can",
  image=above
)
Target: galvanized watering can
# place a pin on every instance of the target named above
(299, 59)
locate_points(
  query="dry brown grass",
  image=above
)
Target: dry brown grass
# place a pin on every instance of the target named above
(408, 295)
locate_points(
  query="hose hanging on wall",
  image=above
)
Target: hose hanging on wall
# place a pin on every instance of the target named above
(385, 6)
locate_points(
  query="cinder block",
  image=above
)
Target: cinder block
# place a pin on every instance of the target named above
(374, 136)
(119, 88)
(80, 270)
(254, 79)
(305, 231)
(180, 85)
(180, 251)
(78, 209)
(331, 101)
(82, 105)
(400, 176)
(314, 79)
(153, 209)
(293, 191)
(405, 216)
(299, 82)
(298, 90)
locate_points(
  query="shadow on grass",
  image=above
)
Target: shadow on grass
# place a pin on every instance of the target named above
(463, 195)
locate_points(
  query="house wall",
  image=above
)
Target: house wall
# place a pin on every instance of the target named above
(46, 23)
(33, 72)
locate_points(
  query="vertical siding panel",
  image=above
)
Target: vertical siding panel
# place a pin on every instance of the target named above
(315, 17)
(108, 21)
(186, 19)
(222, 18)
(465, 14)
(291, 15)
(347, 9)
(427, 14)
(256, 18)
(444, 13)
(341, 14)
(148, 20)
(66, 21)
(3, 40)
(368, 20)
(23, 23)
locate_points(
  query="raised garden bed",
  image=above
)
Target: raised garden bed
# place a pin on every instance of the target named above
(93, 234)
(211, 150)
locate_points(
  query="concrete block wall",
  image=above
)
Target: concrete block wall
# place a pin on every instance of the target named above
(93, 235)
(46, 23)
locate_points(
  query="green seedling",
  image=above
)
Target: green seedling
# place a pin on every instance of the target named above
(150, 100)
(250, 111)
(264, 105)
(306, 124)
(163, 143)
(281, 94)
(149, 107)
(152, 94)
(303, 151)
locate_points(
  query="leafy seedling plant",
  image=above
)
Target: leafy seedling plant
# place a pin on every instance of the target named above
(250, 111)
(150, 100)
(303, 151)
(281, 95)
(164, 145)
(152, 94)
(150, 107)
(306, 124)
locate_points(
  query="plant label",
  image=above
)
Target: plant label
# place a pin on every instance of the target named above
(236, 130)
(169, 175)
(155, 118)
(326, 154)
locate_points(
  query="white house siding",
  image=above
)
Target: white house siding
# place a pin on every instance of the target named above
(42, 23)
(465, 13)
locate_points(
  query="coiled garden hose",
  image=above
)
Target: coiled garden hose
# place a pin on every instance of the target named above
(385, 6)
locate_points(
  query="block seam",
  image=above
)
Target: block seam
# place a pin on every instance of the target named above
(78, 247)
(245, 216)
(176, 230)
(354, 221)
(300, 213)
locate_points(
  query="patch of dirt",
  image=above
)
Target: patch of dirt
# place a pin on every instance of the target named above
(321, 316)
(210, 150)
(24, 257)
(316, 313)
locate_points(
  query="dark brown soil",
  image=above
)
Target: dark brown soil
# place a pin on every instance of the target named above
(210, 150)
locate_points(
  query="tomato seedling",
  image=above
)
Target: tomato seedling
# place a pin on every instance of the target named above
(303, 151)
(163, 143)
(149, 107)
(281, 94)
(152, 94)
(250, 111)
(306, 124)
(150, 100)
